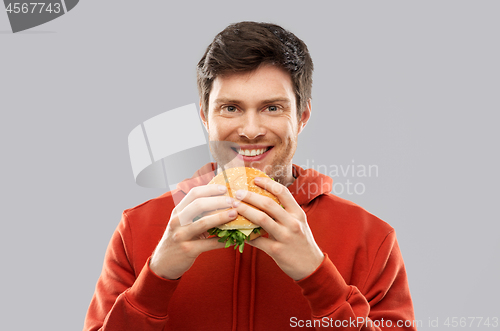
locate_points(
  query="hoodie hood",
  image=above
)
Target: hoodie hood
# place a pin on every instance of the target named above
(308, 184)
(201, 177)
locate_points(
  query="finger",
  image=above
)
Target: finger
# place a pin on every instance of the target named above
(265, 244)
(201, 226)
(202, 205)
(265, 204)
(205, 245)
(200, 192)
(204, 235)
(258, 217)
(281, 192)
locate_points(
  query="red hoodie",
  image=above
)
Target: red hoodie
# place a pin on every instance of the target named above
(361, 284)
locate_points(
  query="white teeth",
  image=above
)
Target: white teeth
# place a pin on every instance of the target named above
(252, 152)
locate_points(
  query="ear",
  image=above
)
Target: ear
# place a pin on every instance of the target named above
(202, 116)
(306, 115)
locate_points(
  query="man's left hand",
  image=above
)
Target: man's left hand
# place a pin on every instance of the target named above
(290, 243)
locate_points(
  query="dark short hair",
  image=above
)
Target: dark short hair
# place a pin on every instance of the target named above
(244, 46)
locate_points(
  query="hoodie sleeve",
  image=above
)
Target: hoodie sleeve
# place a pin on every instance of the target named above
(123, 301)
(382, 303)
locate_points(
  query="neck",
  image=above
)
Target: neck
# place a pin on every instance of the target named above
(288, 179)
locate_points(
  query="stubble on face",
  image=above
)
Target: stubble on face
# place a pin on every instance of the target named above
(250, 89)
(280, 166)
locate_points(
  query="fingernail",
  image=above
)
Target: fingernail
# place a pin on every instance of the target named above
(232, 213)
(257, 179)
(240, 194)
(229, 200)
(222, 188)
(236, 204)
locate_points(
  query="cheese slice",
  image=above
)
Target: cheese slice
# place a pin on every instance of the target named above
(246, 232)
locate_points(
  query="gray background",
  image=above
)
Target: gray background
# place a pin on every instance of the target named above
(412, 87)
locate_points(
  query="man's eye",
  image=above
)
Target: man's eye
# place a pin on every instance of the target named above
(272, 108)
(230, 109)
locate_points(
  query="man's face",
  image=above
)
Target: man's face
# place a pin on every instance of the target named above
(255, 112)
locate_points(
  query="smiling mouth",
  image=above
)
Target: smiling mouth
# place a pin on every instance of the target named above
(251, 152)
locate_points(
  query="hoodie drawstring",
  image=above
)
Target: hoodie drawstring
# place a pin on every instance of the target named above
(235, 289)
(252, 286)
(253, 258)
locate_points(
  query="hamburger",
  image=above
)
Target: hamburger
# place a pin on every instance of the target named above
(240, 229)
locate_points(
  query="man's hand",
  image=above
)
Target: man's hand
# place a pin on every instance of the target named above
(290, 243)
(183, 239)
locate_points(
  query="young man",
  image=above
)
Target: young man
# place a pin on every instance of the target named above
(326, 262)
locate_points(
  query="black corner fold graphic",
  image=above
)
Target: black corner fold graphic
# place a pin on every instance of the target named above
(25, 15)
(70, 4)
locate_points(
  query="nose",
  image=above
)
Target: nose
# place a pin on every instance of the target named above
(251, 126)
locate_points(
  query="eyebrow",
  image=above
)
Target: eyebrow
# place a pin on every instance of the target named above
(272, 100)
